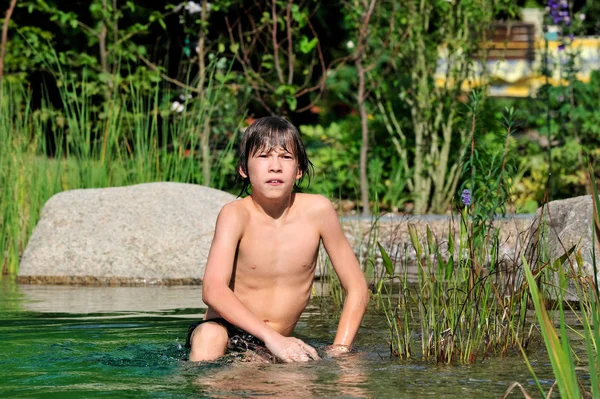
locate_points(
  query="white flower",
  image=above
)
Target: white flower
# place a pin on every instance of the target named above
(192, 7)
(350, 44)
(582, 17)
(177, 106)
(185, 96)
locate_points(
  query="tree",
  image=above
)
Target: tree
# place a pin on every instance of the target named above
(4, 39)
(371, 26)
(451, 32)
(278, 49)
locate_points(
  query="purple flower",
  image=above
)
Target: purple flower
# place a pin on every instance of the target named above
(561, 47)
(466, 197)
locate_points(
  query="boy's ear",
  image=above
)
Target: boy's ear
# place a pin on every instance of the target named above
(298, 174)
(241, 172)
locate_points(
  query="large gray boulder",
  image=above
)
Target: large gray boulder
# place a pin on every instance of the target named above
(565, 223)
(148, 233)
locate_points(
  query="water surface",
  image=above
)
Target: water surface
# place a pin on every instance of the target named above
(120, 342)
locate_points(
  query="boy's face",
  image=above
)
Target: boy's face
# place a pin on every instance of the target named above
(272, 173)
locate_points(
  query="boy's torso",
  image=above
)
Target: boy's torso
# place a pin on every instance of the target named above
(275, 264)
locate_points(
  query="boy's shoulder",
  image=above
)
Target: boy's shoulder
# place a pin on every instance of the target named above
(234, 209)
(315, 203)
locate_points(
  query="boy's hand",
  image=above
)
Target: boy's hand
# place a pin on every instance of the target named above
(336, 350)
(290, 349)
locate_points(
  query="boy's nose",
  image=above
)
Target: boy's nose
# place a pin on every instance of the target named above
(275, 165)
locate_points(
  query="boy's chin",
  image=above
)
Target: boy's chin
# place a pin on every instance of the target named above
(272, 194)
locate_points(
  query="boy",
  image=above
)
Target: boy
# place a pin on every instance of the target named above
(261, 264)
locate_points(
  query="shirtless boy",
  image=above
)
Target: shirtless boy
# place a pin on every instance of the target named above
(261, 263)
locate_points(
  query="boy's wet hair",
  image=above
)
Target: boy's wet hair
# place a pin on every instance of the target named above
(265, 134)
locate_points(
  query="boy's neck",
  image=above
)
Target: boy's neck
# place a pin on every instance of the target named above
(275, 208)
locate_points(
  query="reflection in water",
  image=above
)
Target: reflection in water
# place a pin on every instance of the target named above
(352, 377)
(344, 376)
(82, 299)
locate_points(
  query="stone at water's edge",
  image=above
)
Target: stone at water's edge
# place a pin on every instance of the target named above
(146, 233)
(569, 222)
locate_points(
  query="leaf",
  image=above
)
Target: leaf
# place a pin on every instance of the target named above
(414, 239)
(562, 364)
(387, 261)
(449, 267)
(292, 102)
(307, 46)
(560, 261)
(431, 243)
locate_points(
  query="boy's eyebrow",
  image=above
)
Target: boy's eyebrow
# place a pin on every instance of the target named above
(269, 149)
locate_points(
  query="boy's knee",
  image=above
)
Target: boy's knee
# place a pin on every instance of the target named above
(208, 342)
(208, 331)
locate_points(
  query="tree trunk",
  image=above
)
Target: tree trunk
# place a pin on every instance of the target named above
(7, 17)
(108, 90)
(205, 132)
(364, 148)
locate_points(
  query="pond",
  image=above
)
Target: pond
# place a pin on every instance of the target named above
(73, 342)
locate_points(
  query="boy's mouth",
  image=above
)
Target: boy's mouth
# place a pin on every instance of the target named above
(274, 182)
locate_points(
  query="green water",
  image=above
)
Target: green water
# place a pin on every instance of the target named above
(84, 342)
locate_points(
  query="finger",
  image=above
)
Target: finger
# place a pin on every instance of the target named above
(303, 358)
(312, 352)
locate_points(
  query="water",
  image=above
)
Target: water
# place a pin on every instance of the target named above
(120, 342)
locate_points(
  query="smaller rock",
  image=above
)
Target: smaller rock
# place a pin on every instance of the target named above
(566, 223)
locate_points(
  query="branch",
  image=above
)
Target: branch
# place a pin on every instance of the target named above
(360, 48)
(251, 75)
(324, 69)
(275, 44)
(288, 23)
(166, 77)
(7, 16)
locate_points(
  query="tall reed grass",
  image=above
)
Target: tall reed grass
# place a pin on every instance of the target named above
(452, 312)
(576, 375)
(89, 143)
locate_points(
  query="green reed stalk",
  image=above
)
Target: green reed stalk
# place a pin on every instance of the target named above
(463, 314)
(557, 347)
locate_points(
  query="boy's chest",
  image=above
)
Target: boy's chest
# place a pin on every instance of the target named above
(272, 250)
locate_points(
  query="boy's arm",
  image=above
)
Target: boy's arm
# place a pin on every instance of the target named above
(217, 294)
(349, 273)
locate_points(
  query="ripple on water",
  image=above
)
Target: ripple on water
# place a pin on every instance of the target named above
(125, 353)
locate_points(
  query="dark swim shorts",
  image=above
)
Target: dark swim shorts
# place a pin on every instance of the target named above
(239, 340)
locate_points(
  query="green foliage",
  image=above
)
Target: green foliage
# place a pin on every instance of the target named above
(567, 118)
(432, 141)
(334, 153)
(26, 51)
(279, 52)
(117, 52)
(488, 167)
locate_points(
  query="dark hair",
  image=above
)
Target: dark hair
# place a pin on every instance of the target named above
(267, 133)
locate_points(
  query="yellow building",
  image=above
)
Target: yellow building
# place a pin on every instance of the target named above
(515, 59)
